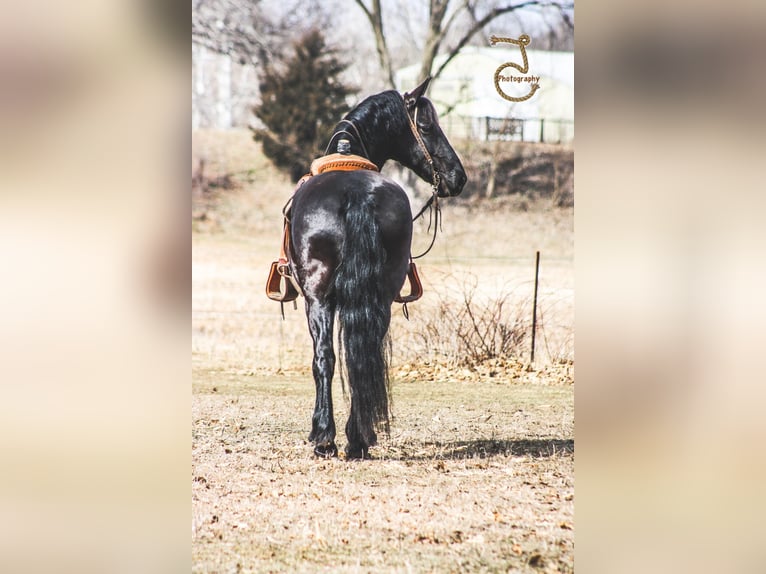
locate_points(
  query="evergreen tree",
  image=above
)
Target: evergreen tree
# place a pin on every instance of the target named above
(301, 102)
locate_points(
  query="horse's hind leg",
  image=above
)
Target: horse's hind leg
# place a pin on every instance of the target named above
(320, 318)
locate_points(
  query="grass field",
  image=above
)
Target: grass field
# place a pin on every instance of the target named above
(478, 472)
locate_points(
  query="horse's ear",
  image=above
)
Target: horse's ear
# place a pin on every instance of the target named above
(411, 98)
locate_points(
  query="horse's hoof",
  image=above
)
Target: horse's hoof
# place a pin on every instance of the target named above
(358, 453)
(327, 450)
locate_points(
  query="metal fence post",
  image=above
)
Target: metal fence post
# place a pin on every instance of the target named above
(534, 307)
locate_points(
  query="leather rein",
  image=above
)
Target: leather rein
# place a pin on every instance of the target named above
(434, 215)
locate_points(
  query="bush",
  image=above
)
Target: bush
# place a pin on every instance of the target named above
(468, 329)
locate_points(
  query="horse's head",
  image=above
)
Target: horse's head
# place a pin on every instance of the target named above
(426, 133)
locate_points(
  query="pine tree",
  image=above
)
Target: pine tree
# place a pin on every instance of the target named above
(301, 102)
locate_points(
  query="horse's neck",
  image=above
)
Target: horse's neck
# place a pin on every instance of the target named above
(381, 135)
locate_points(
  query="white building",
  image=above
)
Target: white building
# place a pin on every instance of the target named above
(470, 106)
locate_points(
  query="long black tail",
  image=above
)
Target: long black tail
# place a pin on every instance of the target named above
(364, 315)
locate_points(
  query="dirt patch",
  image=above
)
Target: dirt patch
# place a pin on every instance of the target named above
(473, 478)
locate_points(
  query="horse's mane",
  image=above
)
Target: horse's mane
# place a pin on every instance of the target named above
(390, 102)
(379, 122)
(380, 113)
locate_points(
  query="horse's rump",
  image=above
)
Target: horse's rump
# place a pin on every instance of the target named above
(326, 204)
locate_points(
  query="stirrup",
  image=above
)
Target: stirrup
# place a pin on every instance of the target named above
(279, 286)
(416, 287)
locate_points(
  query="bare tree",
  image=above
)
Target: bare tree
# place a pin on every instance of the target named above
(375, 16)
(229, 27)
(250, 30)
(458, 20)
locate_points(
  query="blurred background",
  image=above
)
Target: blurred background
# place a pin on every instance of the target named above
(94, 140)
(669, 248)
(94, 296)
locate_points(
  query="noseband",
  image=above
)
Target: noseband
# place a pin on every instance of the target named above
(435, 177)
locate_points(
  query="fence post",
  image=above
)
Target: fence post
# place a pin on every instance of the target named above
(534, 307)
(542, 136)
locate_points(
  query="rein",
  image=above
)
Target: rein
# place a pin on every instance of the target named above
(434, 215)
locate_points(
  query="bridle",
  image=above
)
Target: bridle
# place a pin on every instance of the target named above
(434, 215)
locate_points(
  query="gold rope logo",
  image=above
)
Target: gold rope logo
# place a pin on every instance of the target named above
(522, 42)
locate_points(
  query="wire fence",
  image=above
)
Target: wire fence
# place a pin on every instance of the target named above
(541, 130)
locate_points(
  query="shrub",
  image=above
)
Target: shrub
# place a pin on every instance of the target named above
(468, 329)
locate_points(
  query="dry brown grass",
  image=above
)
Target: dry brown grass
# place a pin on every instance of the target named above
(478, 473)
(474, 478)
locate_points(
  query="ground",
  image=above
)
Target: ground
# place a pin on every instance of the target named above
(477, 474)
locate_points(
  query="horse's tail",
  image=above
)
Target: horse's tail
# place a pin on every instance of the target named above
(364, 315)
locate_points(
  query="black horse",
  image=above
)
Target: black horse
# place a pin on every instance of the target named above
(350, 249)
